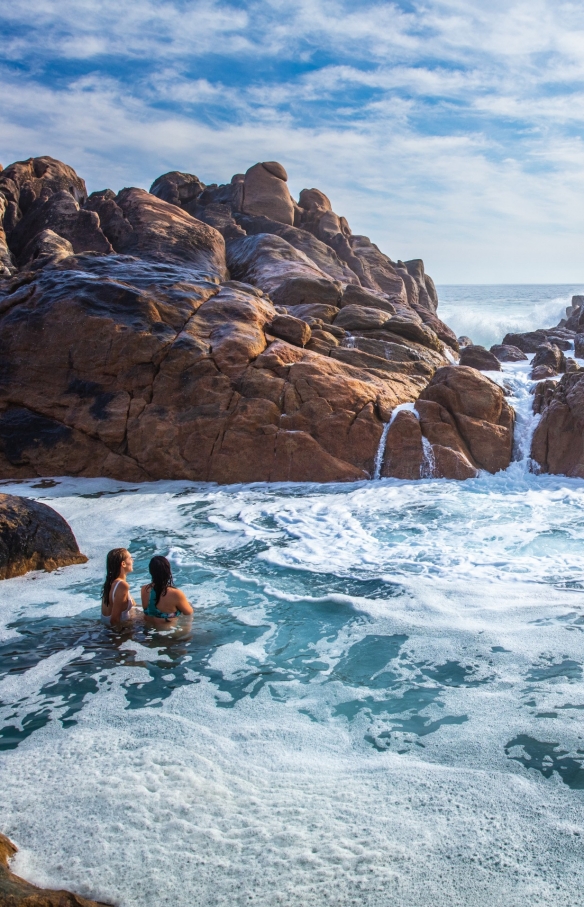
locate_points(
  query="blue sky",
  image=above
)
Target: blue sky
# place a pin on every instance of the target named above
(447, 129)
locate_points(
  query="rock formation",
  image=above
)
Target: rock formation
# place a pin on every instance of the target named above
(462, 423)
(34, 537)
(558, 441)
(209, 332)
(480, 358)
(15, 892)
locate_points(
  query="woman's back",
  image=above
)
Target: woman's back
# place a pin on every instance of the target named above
(160, 598)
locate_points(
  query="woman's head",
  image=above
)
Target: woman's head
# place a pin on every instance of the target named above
(161, 574)
(117, 559)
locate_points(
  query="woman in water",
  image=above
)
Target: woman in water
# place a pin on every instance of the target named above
(116, 601)
(160, 598)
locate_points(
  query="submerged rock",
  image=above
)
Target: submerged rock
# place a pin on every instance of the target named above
(15, 892)
(34, 537)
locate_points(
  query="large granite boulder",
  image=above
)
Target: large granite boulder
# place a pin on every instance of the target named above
(464, 412)
(206, 332)
(140, 224)
(508, 353)
(480, 358)
(530, 340)
(16, 892)
(462, 424)
(558, 441)
(549, 356)
(265, 191)
(34, 537)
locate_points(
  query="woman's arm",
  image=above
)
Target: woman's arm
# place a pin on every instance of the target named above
(119, 601)
(183, 605)
(145, 595)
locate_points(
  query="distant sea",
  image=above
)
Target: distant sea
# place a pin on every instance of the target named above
(487, 313)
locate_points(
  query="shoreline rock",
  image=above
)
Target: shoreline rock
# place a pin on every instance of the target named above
(33, 536)
(220, 333)
(16, 892)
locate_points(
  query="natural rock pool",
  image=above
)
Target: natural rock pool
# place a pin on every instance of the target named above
(379, 699)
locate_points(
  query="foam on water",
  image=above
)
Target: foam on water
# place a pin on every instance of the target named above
(378, 701)
(487, 313)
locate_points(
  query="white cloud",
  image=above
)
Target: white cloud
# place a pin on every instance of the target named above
(450, 132)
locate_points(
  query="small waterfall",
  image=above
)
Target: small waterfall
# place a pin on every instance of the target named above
(428, 466)
(380, 455)
(350, 342)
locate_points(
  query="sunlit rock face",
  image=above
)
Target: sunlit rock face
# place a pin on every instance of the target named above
(218, 333)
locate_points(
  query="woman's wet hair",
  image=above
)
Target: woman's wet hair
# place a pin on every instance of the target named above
(113, 565)
(161, 574)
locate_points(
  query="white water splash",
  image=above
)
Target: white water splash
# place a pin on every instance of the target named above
(429, 463)
(380, 455)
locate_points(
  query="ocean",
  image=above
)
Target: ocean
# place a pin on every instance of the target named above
(379, 700)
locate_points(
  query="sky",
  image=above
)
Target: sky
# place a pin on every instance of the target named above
(448, 130)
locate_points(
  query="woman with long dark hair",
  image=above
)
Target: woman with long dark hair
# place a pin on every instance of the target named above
(116, 601)
(160, 597)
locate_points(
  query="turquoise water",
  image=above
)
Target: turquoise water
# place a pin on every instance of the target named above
(379, 699)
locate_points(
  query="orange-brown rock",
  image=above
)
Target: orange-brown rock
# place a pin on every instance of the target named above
(266, 192)
(558, 441)
(16, 892)
(472, 418)
(404, 451)
(209, 332)
(140, 224)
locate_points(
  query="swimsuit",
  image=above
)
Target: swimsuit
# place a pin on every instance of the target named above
(105, 619)
(153, 611)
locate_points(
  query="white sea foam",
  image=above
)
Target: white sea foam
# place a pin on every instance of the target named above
(382, 700)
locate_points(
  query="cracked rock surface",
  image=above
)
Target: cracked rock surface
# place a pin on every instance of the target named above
(217, 333)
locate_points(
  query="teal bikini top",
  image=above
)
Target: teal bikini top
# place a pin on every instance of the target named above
(153, 611)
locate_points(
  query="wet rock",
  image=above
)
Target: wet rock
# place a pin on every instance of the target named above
(549, 356)
(571, 365)
(541, 372)
(558, 441)
(404, 452)
(16, 892)
(266, 192)
(474, 419)
(507, 353)
(542, 395)
(291, 329)
(528, 341)
(480, 358)
(465, 341)
(579, 346)
(186, 351)
(34, 537)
